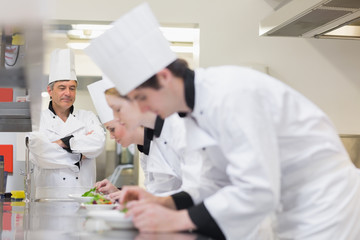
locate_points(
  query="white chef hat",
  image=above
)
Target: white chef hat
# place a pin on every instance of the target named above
(133, 50)
(97, 93)
(62, 66)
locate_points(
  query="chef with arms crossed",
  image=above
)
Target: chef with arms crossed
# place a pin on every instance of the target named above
(281, 152)
(64, 149)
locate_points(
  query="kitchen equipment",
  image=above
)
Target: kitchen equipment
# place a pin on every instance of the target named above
(3, 177)
(28, 171)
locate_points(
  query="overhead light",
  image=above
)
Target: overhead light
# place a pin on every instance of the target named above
(85, 34)
(100, 27)
(182, 39)
(349, 31)
(87, 31)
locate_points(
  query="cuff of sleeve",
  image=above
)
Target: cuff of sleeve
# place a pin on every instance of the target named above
(66, 141)
(182, 200)
(204, 222)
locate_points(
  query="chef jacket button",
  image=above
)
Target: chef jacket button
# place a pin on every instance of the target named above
(74, 115)
(63, 178)
(201, 112)
(203, 148)
(165, 142)
(77, 177)
(53, 116)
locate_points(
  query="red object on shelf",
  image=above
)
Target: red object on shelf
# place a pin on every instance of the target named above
(6, 94)
(7, 152)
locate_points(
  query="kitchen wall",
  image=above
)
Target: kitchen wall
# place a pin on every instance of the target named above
(326, 71)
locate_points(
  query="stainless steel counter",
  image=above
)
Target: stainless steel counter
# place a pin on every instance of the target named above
(65, 220)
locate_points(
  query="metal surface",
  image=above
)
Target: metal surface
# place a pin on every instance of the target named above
(12, 77)
(28, 171)
(54, 200)
(2, 186)
(26, 73)
(67, 221)
(312, 18)
(117, 172)
(15, 117)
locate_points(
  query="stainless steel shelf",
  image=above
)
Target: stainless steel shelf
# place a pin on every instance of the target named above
(15, 117)
(25, 73)
(12, 78)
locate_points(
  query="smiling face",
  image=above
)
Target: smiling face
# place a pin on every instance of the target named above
(118, 131)
(125, 111)
(63, 94)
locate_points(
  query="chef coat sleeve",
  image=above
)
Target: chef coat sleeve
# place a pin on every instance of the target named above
(243, 126)
(182, 200)
(48, 155)
(90, 145)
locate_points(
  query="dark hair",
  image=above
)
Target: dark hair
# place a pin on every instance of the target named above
(177, 67)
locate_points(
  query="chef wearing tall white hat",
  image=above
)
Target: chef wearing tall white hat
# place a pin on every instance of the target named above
(64, 149)
(162, 176)
(281, 152)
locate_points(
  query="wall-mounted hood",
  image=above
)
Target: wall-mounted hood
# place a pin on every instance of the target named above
(314, 18)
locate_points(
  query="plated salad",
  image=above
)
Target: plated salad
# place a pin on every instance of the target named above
(97, 198)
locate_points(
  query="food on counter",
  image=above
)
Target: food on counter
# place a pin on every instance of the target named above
(124, 209)
(89, 193)
(97, 198)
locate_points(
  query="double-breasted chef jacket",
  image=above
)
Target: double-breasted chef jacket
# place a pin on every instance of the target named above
(281, 153)
(57, 171)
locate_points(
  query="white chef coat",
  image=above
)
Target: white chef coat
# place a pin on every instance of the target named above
(162, 166)
(201, 177)
(55, 174)
(282, 154)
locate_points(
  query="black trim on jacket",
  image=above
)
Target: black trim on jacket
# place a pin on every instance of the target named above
(189, 88)
(204, 222)
(182, 200)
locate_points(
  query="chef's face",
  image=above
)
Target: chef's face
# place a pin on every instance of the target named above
(63, 94)
(126, 111)
(158, 101)
(119, 132)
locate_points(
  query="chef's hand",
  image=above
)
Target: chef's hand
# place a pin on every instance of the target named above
(165, 236)
(130, 193)
(90, 132)
(60, 143)
(151, 217)
(105, 187)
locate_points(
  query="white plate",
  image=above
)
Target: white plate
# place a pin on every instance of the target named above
(115, 219)
(98, 207)
(77, 197)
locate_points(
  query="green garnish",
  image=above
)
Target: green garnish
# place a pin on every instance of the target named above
(124, 210)
(89, 193)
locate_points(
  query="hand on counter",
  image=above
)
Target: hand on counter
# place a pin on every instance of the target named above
(151, 213)
(60, 143)
(165, 236)
(152, 217)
